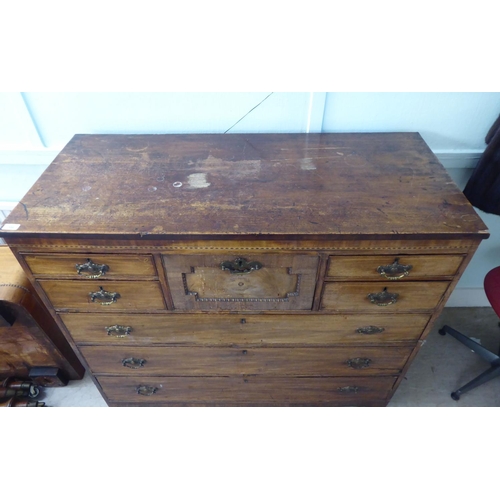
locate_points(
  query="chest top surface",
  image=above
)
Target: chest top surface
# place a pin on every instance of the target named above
(286, 185)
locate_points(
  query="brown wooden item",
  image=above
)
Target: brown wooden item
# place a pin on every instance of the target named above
(29, 337)
(245, 269)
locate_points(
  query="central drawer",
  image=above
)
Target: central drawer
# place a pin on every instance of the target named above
(269, 361)
(229, 329)
(242, 282)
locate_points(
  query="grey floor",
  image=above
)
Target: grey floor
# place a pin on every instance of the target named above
(442, 366)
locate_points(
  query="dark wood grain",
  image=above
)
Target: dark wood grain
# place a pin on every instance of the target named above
(271, 362)
(261, 391)
(386, 184)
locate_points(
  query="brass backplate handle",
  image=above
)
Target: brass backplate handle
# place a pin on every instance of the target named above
(103, 297)
(133, 362)
(94, 270)
(383, 298)
(349, 389)
(118, 331)
(240, 266)
(395, 271)
(146, 390)
(370, 330)
(359, 363)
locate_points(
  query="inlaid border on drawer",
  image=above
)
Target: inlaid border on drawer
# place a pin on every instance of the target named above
(409, 297)
(108, 296)
(393, 267)
(116, 267)
(241, 329)
(242, 281)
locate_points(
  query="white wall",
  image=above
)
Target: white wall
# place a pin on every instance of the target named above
(34, 127)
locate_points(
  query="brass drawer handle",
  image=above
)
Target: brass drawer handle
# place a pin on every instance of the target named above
(359, 363)
(383, 298)
(370, 330)
(146, 390)
(133, 362)
(240, 266)
(394, 271)
(118, 331)
(95, 270)
(349, 389)
(107, 298)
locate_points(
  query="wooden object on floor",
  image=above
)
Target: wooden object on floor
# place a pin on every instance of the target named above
(245, 269)
(29, 337)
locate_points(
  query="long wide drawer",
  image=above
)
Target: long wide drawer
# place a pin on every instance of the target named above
(209, 329)
(269, 361)
(383, 298)
(387, 267)
(84, 266)
(234, 391)
(104, 296)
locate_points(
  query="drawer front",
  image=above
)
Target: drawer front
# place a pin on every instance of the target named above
(249, 282)
(389, 268)
(109, 295)
(411, 297)
(268, 361)
(233, 391)
(102, 266)
(209, 329)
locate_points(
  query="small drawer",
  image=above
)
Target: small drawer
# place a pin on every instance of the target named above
(383, 297)
(105, 296)
(265, 361)
(86, 266)
(242, 282)
(247, 391)
(257, 330)
(393, 268)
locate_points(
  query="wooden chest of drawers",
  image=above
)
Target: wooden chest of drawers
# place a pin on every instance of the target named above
(253, 269)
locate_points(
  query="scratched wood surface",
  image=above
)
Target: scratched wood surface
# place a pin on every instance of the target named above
(384, 185)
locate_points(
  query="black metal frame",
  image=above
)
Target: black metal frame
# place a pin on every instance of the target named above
(494, 360)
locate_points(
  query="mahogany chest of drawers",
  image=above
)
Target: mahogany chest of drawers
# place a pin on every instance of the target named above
(245, 269)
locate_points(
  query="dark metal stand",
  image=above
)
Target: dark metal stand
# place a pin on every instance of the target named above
(493, 359)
